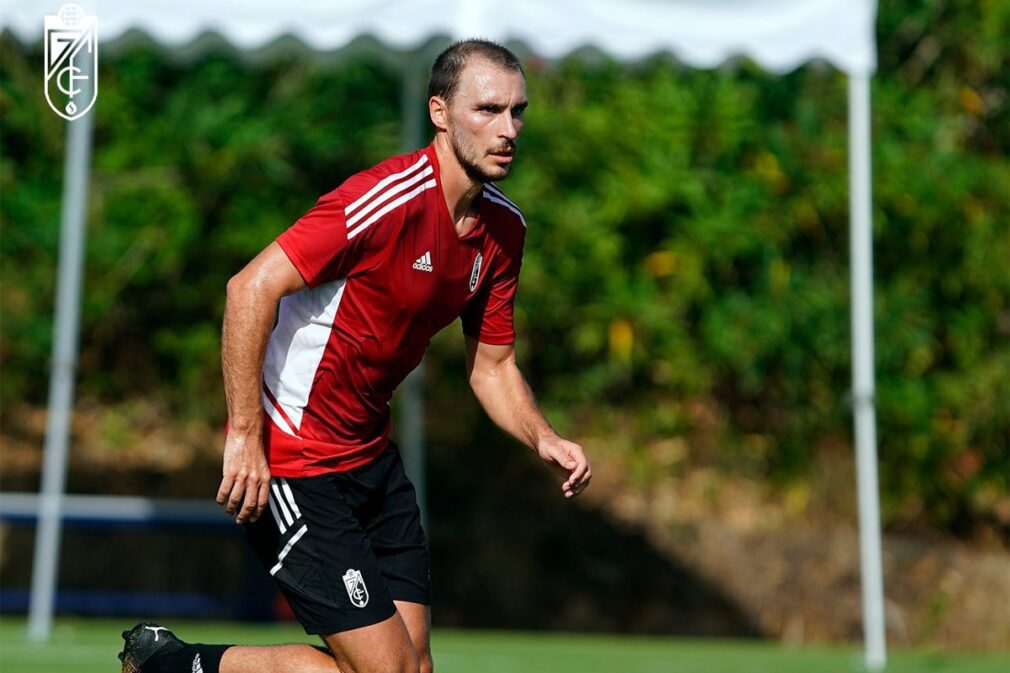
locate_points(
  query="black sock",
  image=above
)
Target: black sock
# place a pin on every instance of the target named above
(196, 658)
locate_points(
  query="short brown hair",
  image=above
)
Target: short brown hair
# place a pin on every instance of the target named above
(444, 78)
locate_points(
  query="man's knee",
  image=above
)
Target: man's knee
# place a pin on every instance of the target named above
(423, 654)
(409, 663)
(412, 661)
(425, 664)
(406, 660)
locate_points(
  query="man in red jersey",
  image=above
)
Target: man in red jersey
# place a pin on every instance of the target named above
(363, 281)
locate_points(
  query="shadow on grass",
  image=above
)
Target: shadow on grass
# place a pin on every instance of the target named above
(508, 551)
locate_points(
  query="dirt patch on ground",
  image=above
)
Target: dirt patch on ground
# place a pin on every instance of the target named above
(791, 560)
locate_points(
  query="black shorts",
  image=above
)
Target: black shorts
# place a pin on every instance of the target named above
(343, 546)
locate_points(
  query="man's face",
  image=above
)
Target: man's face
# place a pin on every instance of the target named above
(485, 118)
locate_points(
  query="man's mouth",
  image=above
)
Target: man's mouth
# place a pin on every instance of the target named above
(506, 151)
(503, 155)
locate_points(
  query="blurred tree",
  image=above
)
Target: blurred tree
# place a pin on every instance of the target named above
(687, 243)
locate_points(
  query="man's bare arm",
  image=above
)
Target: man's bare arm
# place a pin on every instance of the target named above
(253, 295)
(506, 397)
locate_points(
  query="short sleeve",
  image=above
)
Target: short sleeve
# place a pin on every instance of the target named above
(490, 316)
(318, 243)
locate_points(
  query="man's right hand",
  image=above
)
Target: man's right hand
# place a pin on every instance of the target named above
(245, 484)
(250, 309)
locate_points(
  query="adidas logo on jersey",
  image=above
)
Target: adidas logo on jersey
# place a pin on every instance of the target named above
(423, 262)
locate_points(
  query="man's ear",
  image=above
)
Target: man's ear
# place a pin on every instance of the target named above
(438, 110)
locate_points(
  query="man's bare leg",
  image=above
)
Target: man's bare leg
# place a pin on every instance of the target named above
(385, 647)
(277, 659)
(417, 619)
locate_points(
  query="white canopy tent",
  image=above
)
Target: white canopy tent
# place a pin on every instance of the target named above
(780, 35)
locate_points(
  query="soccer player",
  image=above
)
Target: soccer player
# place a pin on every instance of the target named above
(363, 281)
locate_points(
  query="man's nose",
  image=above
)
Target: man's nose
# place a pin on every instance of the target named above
(508, 126)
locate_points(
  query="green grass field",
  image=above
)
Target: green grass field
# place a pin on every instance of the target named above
(90, 646)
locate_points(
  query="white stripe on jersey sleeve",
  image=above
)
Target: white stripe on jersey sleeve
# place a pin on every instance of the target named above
(496, 190)
(388, 194)
(508, 204)
(382, 183)
(400, 201)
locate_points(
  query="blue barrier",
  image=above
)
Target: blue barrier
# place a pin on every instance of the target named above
(116, 510)
(256, 602)
(121, 603)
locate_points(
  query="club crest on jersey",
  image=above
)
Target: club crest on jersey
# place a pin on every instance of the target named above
(356, 589)
(475, 274)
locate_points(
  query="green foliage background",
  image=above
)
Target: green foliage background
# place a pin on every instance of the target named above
(688, 240)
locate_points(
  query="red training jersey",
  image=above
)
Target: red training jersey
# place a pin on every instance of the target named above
(385, 271)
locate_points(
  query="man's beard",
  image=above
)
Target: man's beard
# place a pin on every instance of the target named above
(467, 158)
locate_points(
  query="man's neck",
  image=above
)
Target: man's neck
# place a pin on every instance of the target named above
(458, 188)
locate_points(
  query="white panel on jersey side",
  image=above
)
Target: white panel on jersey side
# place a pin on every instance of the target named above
(276, 416)
(297, 344)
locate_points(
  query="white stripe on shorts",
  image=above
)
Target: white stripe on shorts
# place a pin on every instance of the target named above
(280, 501)
(287, 548)
(277, 516)
(291, 497)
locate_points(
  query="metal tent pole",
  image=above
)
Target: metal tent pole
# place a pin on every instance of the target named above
(45, 564)
(861, 242)
(412, 397)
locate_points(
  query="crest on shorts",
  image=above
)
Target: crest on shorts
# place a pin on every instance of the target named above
(475, 274)
(71, 53)
(356, 589)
